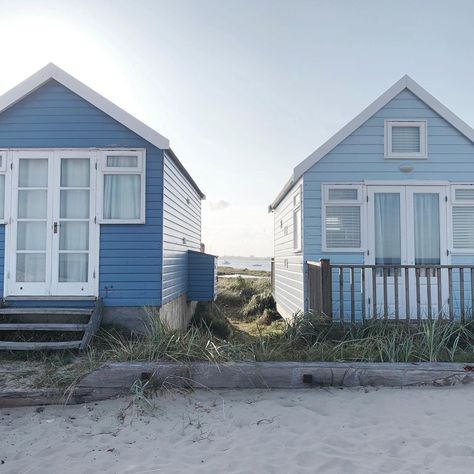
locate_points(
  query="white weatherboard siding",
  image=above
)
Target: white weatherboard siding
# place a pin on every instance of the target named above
(289, 285)
(181, 229)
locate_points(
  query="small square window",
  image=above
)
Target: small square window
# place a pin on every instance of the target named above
(405, 139)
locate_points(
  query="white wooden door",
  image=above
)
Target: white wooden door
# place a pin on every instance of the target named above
(406, 226)
(52, 236)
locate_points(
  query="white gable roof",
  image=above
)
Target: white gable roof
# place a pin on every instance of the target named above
(51, 71)
(406, 82)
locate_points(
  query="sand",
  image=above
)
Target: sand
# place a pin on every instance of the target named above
(417, 430)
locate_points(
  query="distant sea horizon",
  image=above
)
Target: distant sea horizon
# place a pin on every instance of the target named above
(252, 263)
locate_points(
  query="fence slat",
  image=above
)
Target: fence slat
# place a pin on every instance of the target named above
(395, 289)
(461, 293)
(418, 298)
(341, 295)
(440, 297)
(428, 291)
(450, 293)
(362, 280)
(374, 293)
(352, 295)
(385, 298)
(472, 292)
(407, 295)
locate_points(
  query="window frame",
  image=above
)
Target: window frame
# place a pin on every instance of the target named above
(359, 202)
(103, 170)
(390, 124)
(458, 203)
(5, 158)
(298, 208)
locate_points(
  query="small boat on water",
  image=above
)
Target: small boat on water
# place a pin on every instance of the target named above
(257, 265)
(226, 262)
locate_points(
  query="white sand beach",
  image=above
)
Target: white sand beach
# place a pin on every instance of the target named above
(317, 430)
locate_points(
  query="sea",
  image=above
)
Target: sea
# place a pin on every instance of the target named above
(242, 263)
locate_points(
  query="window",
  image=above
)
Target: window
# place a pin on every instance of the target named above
(405, 139)
(462, 217)
(342, 216)
(297, 220)
(122, 184)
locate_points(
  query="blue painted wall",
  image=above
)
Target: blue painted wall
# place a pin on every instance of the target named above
(202, 276)
(361, 157)
(130, 255)
(181, 229)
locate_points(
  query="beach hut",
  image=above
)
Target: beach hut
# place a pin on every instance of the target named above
(96, 212)
(378, 222)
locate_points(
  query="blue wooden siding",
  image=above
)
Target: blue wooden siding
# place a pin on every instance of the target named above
(361, 157)
(288, 292)
(130, 255)
(202, 276)
(181, 229)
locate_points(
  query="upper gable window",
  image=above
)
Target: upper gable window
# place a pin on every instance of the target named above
(405, 139)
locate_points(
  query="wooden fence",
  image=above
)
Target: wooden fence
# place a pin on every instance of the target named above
(352, 293)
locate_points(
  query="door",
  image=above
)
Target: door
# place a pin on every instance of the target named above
(407, 226)
(52, 236)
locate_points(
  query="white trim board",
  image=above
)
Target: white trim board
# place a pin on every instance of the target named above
(406, 82)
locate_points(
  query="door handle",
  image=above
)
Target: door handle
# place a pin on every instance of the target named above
(55, 228)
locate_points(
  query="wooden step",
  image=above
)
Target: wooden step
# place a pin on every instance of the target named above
(37, 346)
(65, 311)
(42, 327)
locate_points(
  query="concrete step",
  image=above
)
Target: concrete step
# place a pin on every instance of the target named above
(64, 311)
(36, 346)
(42, 327)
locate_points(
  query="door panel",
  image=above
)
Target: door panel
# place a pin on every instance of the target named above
(407, 226)
(53, 234)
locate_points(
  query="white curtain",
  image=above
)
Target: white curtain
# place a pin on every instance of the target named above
(426, 214)
(387, 228)
(122, 193)
(31, 234)
(74, 235)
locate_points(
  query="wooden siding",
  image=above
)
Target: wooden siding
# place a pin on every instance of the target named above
(288, 291)
(361, 157)
(130, 255)
(202, 276)
(181, 229)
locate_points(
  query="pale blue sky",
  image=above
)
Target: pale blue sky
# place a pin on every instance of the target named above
(245, 90)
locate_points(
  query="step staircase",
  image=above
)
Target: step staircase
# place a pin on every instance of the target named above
(25, 321)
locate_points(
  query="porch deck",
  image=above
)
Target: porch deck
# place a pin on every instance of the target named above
(410, 293)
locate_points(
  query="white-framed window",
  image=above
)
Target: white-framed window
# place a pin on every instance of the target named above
(297, 220)
(342, 217)
(121, 186)
(406, 139)
(3, 169)
(462, 218)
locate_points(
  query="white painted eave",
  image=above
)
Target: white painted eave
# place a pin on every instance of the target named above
(406, 82)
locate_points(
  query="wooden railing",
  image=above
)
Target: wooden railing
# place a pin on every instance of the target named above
(351, 293)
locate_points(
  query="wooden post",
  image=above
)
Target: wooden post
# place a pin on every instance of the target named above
(273, 275)
(326, 287)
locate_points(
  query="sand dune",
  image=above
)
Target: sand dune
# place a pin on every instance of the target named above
(414, 430)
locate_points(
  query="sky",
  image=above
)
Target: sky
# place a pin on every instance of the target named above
(244, 90)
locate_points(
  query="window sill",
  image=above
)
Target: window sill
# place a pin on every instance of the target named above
(406, 157)
(119, 221)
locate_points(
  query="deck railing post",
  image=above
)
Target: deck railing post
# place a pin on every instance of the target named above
(326, 287)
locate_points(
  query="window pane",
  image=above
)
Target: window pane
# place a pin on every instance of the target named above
(387, 229)
(32, 204)
(2, 196)
(74, 236)
(73, 267)
(75, 173)
(122, 196)
(122, 161)
(343, 227)
(74, 204)
(463, 227)
(340, 194)
(427, 239)
(31, 236)
(31, 267)
(405, 139)
(33, 173)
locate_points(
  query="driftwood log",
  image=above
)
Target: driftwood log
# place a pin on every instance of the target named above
(116, 379)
